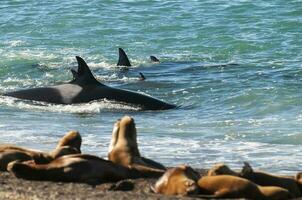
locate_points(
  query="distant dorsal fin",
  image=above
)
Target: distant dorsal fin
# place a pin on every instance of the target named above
(142, 77)
(123, 58)
(154, 59)
(83, 74)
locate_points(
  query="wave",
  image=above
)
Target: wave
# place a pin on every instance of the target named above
(82, 108)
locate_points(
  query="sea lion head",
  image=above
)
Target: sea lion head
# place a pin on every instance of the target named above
(124, 136)
(298, 178)
(221, 169)
(12, 166)
(72, 139)
(127, 131)
(8, 155)
(181, 180)
(23, 169)
(247, 172)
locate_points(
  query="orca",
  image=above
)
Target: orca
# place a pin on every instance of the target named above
(154, 59)
(85, 88)
(123, 59)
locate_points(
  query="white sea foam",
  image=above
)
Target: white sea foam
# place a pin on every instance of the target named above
(14, 43)
(99, 64)
(115, 77)
(204, 154)
(91, 107)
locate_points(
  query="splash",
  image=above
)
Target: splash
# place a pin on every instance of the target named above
(82, 108)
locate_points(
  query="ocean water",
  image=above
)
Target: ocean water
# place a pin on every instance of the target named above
(233, 67)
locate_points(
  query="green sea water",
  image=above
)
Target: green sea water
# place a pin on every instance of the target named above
(233, 67)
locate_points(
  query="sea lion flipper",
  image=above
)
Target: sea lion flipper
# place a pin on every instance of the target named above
(42, 158)
(153, 163)
(247, 168)
(123, 58)
(147, 171)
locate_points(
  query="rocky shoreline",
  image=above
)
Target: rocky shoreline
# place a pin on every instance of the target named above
(12, 188)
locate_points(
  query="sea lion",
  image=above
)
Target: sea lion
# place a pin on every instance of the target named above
(259, 178)
(73, 168)
(72, 139)
(123, 149)
(181, 180)
(266, 179)
(69, 144)
(298, 178)
(221, 169)
(226, 186)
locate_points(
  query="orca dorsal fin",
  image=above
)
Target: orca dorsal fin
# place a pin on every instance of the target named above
(154, 59)
(123, 58)
(83, 73)
(142, 77)
(74, 73)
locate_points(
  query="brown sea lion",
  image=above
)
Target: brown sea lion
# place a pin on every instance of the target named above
(72, 139)
(123, 149)
(221, 169)
(266, 179)
(260, 178)
(181, 180)
(226, 186)
(69, 144)
(73, 168)
(298, 178)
